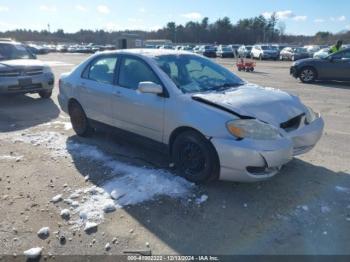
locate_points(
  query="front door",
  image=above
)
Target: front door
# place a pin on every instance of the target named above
(133, 111)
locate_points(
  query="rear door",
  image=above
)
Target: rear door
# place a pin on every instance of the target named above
(335, 67)
(342, 63)
(133, 111)
(96, 86)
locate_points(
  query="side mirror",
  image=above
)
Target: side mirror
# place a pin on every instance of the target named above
(150, 88)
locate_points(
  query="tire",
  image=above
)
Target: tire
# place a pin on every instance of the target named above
(252, 69)
(79, 120)
(308, 75)
(195, 157)
(45, 94)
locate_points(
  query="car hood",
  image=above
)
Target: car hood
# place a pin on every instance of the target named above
(20, 63)
(266, 104)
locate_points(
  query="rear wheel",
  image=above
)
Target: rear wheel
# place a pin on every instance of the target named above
(79, 120)
(308, 75)
(45, 94)
(195, 157)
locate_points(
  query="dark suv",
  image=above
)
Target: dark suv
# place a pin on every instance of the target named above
(20, 72)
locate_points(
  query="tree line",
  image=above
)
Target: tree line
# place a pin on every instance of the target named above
(246, 31)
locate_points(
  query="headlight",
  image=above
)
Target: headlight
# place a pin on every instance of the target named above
(251, 128)
(310, 115)
(47, 69)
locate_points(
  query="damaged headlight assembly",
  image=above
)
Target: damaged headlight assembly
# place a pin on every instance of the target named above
(310, 115)
(253, 129)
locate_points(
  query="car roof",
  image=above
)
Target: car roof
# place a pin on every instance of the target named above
(150, 52)
(9, 42)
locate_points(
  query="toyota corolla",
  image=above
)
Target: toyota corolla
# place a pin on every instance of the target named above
(214, 124)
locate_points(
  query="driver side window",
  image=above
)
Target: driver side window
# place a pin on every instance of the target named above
(342, 55)
(133, 71)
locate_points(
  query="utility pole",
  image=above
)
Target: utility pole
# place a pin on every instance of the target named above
(48, 28)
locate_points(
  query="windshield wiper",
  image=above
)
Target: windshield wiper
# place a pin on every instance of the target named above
(225, 86)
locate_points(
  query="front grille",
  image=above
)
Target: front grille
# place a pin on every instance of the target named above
(33, 72)
(22, 72)
(10, 73)
(28, 87)
(292, 124)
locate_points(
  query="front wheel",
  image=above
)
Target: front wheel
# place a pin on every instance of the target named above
(307, 75)
(195, 158)
(45, 94)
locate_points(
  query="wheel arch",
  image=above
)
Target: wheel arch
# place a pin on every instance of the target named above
(71, 102)
(179, 130)
(308, 66)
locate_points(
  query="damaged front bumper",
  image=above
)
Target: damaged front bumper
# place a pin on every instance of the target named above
(250, 160)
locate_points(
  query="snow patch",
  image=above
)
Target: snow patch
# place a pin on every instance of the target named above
(11, 158)
(129, 184)
(342, 189)
(33, 253)
(201, 199)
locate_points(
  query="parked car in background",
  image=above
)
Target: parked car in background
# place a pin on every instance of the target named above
(323, 53)
(235, 48)
(208, 51)
(293, 53)
(20, 72)
(196, 49)
(264, 52)
(187, 48)
(244, 51)
(224, 51)
(38, 49)
(166, 47)
(333, 67)
(252, 131)
(312, 49)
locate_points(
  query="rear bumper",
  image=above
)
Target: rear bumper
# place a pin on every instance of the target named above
(63, 102)
(11, 85)
(294, 72)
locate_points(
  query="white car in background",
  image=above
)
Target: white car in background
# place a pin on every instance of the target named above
(323, 53)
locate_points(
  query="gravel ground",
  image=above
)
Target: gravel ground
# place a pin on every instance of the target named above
(303, 210)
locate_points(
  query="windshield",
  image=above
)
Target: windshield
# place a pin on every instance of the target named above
(248, 48)
(227, 49)
(265, 47)
(14, 51)
(300, 50)
(193, 74)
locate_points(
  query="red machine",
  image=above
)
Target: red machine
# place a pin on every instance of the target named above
(245, 65)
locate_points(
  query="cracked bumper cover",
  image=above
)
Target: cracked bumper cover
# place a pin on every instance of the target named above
(238, 157)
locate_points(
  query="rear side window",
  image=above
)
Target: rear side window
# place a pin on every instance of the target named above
(133, 71)
(102, 70)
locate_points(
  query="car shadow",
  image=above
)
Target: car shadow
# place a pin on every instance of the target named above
(283, 215)
(21, 111)
(334, 84)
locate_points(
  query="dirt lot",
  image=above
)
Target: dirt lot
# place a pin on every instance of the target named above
(303, 210)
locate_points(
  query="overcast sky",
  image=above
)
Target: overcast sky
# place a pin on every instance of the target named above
(300, 16)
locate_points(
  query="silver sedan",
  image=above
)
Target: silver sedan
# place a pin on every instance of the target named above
(215, 125)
